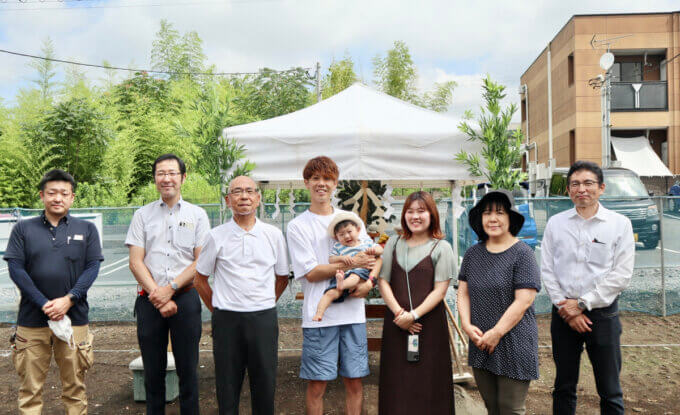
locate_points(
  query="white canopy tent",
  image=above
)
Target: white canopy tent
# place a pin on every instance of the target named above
(370, 135)
(637, 154)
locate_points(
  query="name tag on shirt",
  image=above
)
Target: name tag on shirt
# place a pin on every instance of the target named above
(78, 237)
(187, 225)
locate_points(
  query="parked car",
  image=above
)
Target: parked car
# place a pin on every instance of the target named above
(528, 234)
(624, 193)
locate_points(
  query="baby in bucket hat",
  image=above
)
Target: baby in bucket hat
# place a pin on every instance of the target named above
(345, 230)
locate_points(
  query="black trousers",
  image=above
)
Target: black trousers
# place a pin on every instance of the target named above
(603, 345)
(185, 333)
(245, 340)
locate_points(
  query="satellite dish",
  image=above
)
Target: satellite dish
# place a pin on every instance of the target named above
(606, 61)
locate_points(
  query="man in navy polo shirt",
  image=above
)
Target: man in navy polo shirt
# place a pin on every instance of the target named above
(54, 259)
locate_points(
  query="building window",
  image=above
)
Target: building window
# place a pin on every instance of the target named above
(523, 110)
(570, 69)
(627, 72)
(572, 147)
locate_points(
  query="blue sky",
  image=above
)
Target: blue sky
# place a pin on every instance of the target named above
(449, 40)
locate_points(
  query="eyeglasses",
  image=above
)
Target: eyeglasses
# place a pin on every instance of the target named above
(588, 184)
(239, 191)
(171, 174)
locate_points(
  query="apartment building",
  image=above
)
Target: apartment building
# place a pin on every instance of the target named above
(561, 102)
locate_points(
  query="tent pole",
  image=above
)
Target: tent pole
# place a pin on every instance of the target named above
(454, 245)
(454, 226)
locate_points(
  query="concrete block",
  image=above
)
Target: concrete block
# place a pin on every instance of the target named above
(171, 380)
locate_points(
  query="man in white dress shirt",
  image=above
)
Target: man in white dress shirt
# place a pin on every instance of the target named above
(165, 238)
(587, 254)
(249, 261)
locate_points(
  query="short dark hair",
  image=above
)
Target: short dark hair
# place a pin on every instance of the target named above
(586, 165)
(57, 175)
(342, 224)
(493, 203)
(169, 156)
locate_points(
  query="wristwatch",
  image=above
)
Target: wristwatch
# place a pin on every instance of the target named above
(71, 297)
(173, 285)
(581, 304)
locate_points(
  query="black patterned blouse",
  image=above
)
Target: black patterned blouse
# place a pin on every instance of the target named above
(492, 279)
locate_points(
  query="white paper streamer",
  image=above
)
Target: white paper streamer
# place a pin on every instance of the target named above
(277, 210)
(457, 200)
(335, 200)
(291, 203)
(387, 202)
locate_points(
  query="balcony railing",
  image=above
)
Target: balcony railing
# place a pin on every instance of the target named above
(640, 96)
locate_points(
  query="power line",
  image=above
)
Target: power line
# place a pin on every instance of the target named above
(121, 6)
(118, 68)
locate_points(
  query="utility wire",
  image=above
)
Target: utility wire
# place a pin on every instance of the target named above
(120, 6)
(92, 65)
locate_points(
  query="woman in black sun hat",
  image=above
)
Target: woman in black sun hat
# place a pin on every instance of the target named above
(499, 279)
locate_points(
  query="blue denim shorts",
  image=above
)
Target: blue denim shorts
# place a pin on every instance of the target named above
(325, 349)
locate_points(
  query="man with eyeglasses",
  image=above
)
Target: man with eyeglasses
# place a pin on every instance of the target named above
(165, 239)
(53, 258)
(587, 258)
(249, 262)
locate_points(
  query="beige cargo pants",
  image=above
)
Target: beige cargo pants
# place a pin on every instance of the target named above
(32, 354)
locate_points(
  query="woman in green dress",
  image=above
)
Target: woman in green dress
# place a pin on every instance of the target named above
(417, 268)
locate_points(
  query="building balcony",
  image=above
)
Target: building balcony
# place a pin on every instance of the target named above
(639, 96)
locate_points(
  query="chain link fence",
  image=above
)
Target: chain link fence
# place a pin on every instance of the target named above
(654, 289)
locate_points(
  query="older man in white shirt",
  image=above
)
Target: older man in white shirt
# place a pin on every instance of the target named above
(249, 261)
(588, 254)
(165, 238)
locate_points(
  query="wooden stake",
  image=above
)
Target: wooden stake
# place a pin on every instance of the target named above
(453, 348)
(455, 324)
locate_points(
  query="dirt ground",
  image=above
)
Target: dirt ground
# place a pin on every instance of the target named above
(650, 377)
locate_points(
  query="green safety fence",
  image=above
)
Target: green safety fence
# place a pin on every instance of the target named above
(654, 288)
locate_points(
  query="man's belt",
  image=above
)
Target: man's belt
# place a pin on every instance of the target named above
(179, 291)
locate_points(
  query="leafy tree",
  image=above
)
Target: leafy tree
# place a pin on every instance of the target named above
(141, 95)
(75, 84)
(23, 159)
(46, 70)
(21, 168)
(500, 148)
(99, 194)
(271, 93)
(340, 76)
(144, 108)
(75, 131)
(440, 97)
(396, 75)
(173, 52)
(110, 76)
(215, 155)
(4, 119)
